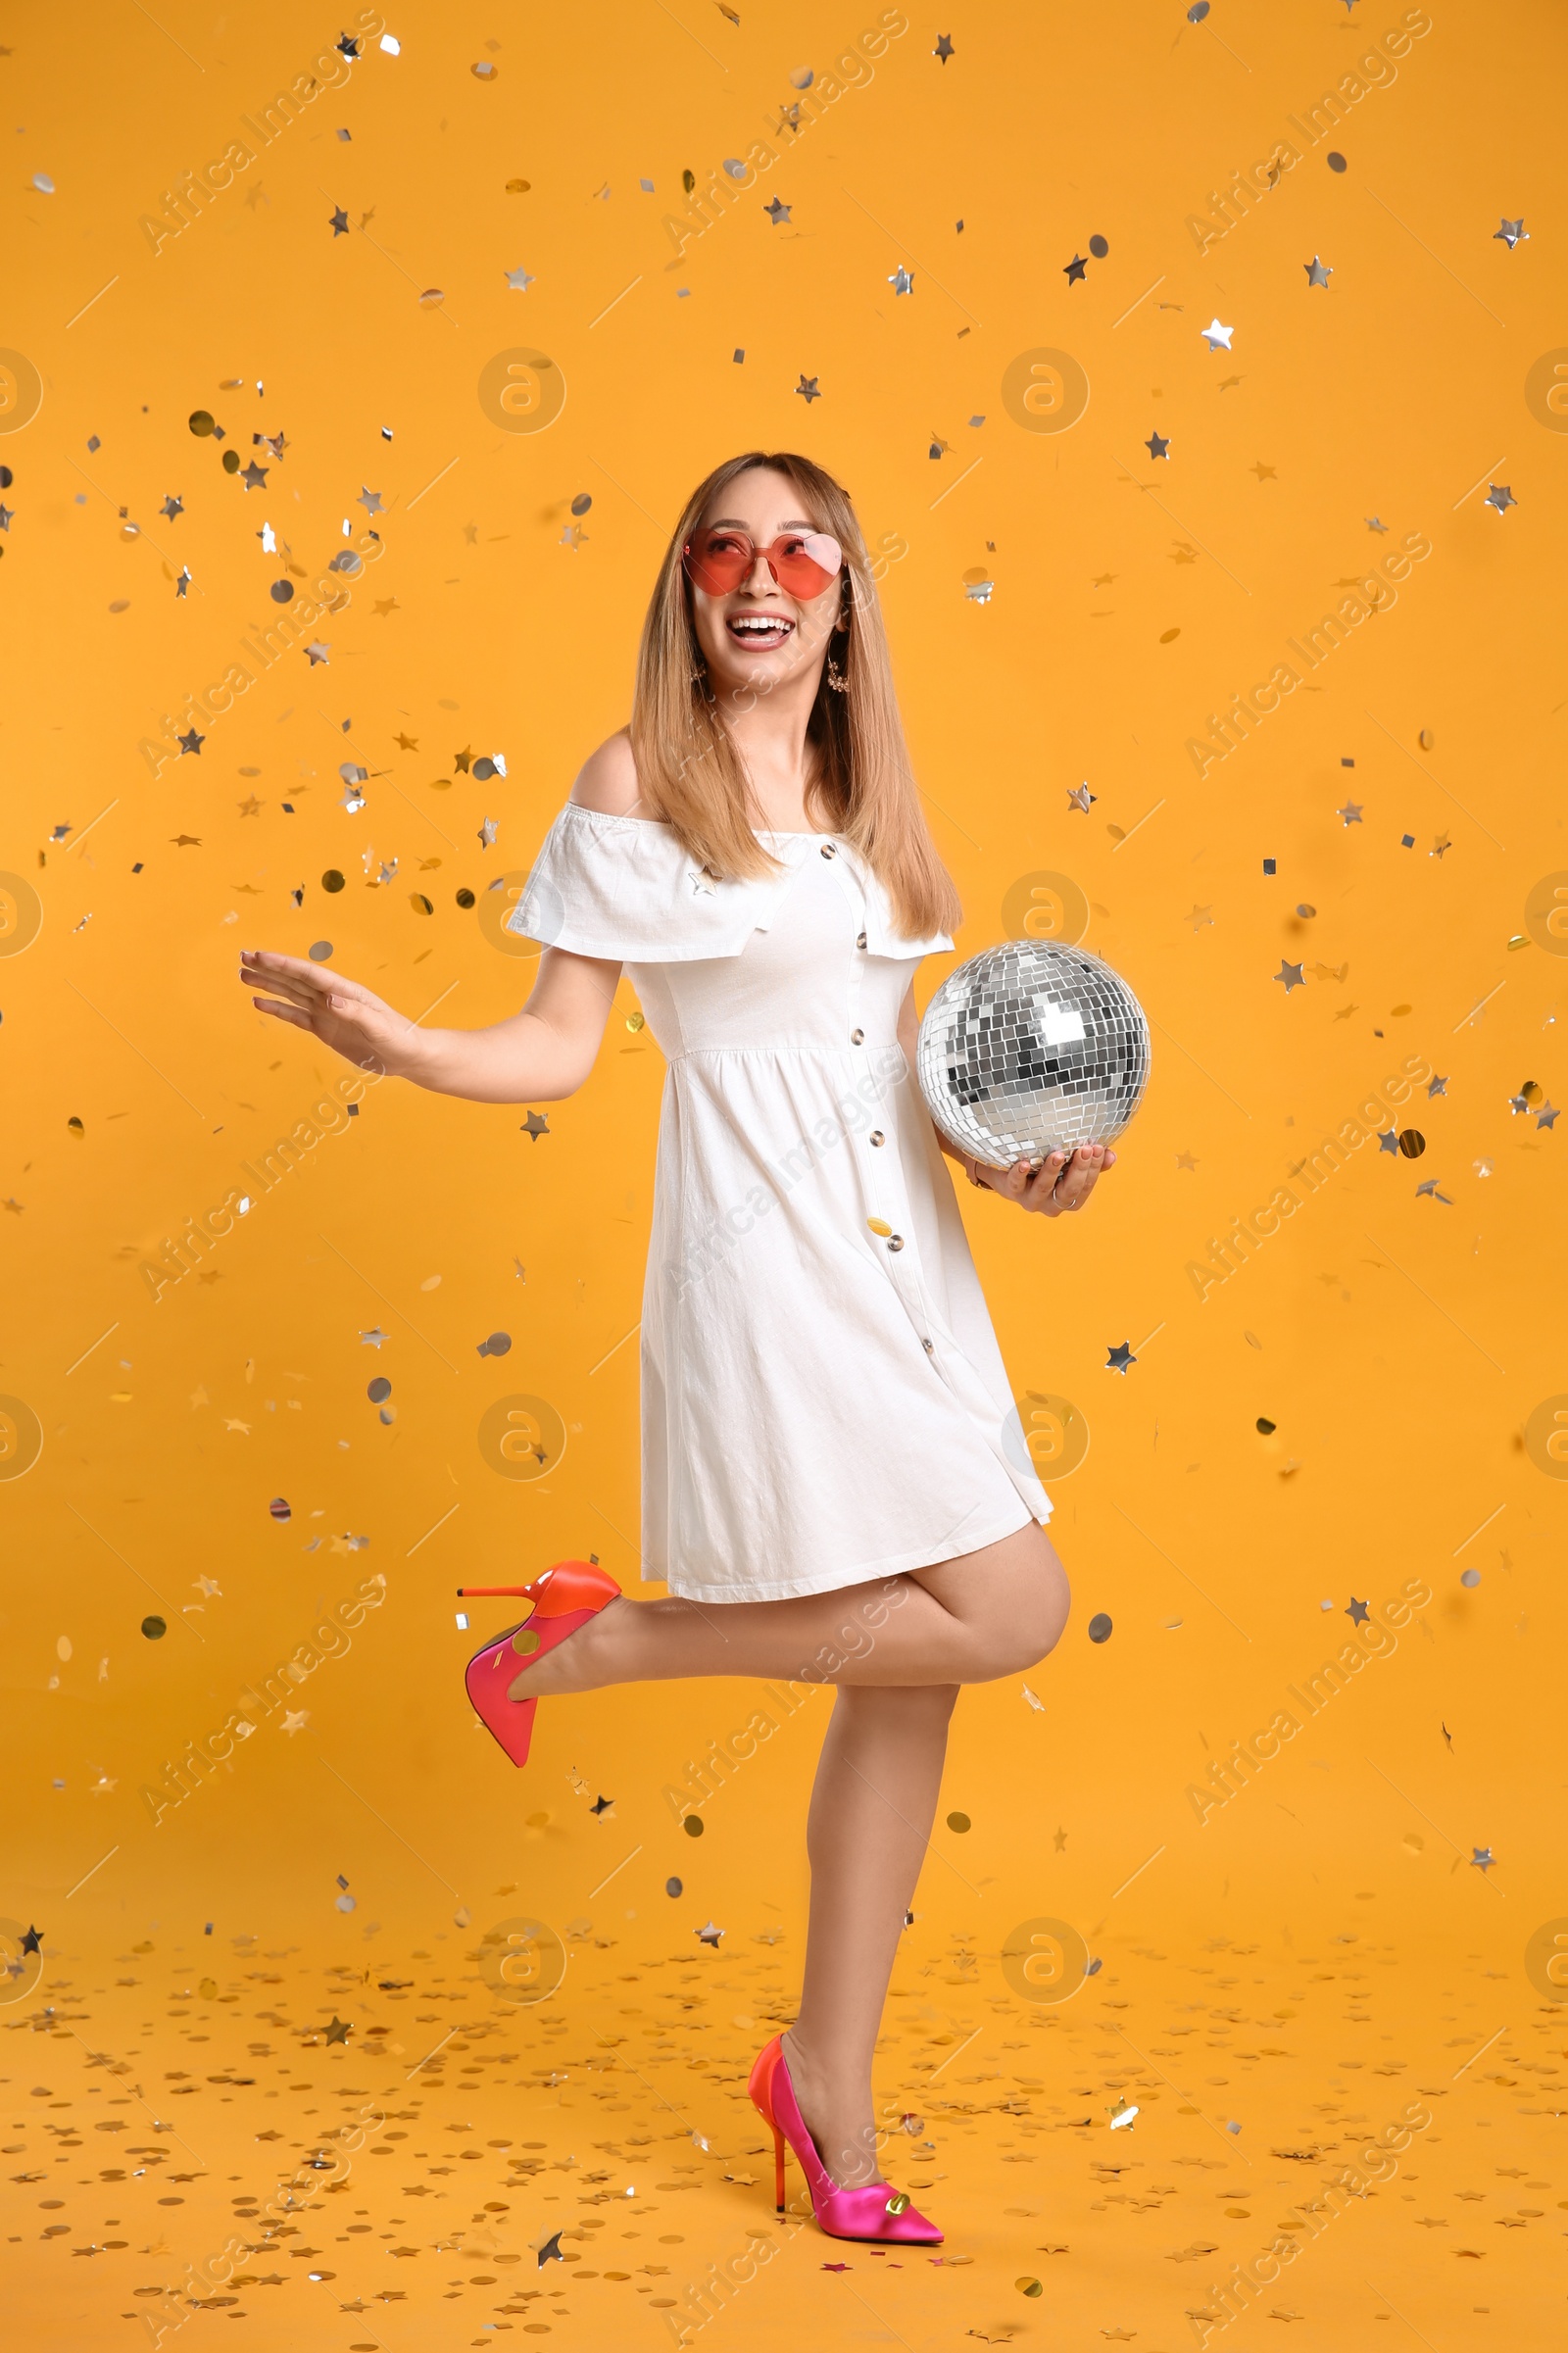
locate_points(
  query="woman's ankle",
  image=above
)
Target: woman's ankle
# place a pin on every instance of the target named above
(841, 2130)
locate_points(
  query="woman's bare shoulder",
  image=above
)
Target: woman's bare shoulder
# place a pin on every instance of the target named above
(608, 779)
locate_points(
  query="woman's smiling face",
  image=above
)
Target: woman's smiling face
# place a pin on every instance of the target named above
(757, 636)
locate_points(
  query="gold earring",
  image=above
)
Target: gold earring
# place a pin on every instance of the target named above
(836, 678)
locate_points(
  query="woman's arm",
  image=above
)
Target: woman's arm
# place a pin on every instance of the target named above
(538, 1055)
(1062, 1181)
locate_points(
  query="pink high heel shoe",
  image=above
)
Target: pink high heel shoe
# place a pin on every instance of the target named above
(872, 2211)
(565, 1597)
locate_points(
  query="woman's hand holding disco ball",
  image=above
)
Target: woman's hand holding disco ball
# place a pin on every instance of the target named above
(1031, 1057)
(1063, 1180)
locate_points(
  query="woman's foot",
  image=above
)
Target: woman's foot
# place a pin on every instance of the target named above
(842, 2130)
(579, 1664)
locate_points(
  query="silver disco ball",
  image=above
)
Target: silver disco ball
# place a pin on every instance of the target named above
(1030, 1048)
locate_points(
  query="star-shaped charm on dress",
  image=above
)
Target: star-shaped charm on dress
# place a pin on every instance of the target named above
(703, 885)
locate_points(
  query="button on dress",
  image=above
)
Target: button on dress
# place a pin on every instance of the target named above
(823, 1399)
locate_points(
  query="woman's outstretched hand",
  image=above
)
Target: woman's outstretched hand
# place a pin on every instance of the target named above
(1062, 1181)
(340, 1012)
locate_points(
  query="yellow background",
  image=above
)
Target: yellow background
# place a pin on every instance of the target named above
(1398, 1341)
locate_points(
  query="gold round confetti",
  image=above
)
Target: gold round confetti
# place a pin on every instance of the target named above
(879, 1225)
(959, 1823)
(1412, 1143)
(201, 421)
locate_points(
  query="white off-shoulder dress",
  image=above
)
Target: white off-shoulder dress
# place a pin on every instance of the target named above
(823, 1399)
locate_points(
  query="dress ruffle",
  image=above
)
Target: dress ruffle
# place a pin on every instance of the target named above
(625, 889)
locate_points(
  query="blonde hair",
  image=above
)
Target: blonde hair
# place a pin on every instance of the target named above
(689, 771)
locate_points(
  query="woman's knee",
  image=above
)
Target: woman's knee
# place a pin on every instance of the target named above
(1028, 1630)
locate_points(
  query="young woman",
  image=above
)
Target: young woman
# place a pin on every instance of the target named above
(827, 1489)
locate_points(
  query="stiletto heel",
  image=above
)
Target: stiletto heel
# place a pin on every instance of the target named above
(565, 1597)
(873, 2211)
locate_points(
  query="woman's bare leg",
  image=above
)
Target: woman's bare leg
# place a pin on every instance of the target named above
(991, 1612)
(872, 1811)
